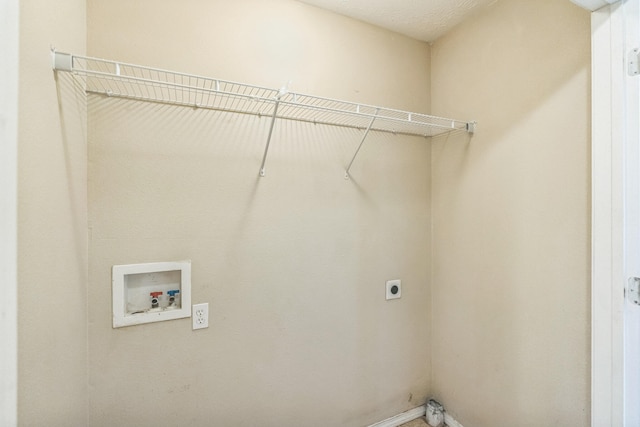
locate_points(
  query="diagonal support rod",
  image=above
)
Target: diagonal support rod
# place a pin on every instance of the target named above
(346, 175)
(282, 92)
(266, 148)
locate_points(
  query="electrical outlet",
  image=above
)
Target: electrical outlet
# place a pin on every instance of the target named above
(394, 289)
(200, 316)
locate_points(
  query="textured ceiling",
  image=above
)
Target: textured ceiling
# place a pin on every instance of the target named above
(421, 19)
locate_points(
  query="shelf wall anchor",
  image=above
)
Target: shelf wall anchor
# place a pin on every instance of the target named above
(62, 61)
(471, 127)
(366, 132)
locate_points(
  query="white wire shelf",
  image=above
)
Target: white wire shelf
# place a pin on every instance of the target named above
(130, 81)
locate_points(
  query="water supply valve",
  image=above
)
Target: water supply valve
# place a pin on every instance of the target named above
(173, 297)
(154, 299)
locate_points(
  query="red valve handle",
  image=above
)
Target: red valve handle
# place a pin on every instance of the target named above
(155, 294)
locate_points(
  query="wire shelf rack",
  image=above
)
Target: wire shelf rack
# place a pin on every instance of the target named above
(137, 82)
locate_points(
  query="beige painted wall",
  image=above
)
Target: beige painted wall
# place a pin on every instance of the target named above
(293, 265)
(510, 295)
(52, 221)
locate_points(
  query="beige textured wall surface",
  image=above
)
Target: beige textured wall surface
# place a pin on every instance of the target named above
(293, 265)
(52, 221)
(511, 263)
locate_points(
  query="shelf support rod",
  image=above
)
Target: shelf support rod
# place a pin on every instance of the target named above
(266, 148)
(346, 175)
(282, 92)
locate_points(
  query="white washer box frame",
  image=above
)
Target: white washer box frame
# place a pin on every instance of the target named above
(119, 272)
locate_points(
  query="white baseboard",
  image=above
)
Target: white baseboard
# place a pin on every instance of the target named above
(450, 421)
(411, 415)
(402, 418)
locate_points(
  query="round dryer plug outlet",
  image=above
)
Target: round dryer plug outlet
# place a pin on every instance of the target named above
(394, 289)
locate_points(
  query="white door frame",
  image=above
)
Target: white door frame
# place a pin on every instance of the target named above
(608, 214)
(9, 38)
(631, 314)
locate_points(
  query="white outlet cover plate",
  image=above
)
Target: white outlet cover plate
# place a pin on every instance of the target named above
(391, 286)
(200, 316)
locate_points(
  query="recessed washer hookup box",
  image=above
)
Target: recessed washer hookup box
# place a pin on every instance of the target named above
(151, 292)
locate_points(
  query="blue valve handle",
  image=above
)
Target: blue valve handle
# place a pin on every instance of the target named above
(173, 293)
